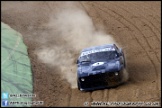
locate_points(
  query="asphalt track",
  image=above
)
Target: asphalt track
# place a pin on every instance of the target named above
(136, 26)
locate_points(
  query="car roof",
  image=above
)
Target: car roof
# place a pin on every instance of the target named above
(98, 47)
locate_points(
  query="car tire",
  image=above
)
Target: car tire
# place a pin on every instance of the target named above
(124, 61)
(78, 85)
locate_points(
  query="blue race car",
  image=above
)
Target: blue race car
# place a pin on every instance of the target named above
(100, 67)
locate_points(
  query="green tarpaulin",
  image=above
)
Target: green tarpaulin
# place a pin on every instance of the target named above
(16, 75)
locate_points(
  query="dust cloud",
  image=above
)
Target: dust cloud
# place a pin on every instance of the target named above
(125, 75)
(72, 30)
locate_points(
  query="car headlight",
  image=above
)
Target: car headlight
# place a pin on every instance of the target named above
(116, 73)
(82, 79)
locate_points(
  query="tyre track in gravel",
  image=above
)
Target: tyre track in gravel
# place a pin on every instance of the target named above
(144, 20)
(147, 24)
(125, 21)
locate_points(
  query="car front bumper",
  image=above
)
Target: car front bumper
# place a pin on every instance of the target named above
(100, 81)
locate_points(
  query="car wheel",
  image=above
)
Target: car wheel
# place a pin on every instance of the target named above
(124, 61)
(78, 85)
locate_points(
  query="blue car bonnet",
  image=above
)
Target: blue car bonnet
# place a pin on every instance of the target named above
(99, 67)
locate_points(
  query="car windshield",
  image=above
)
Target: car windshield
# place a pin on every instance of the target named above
(99, 56)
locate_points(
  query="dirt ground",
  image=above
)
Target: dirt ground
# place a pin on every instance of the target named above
(136, 26)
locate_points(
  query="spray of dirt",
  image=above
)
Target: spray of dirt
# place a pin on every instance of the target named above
(72, 30)
(125, 75)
